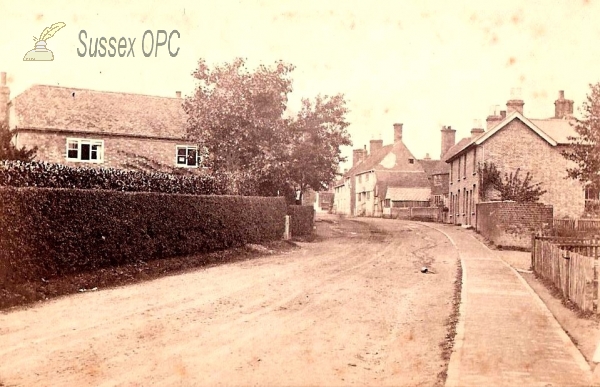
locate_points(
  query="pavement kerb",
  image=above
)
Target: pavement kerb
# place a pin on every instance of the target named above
(453, 372)
(569, 345)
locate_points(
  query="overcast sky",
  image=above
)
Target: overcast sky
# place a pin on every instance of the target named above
(421, 63)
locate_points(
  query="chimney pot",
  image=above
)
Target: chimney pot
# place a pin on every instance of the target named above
(427, 156)
(503, 114)
(375, 145)
(397, 132)
(178, 94)
(448, 139)
(563, 108)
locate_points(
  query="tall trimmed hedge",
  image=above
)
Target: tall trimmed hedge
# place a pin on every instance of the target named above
(50, 232)
(302, 219)
(41, 174)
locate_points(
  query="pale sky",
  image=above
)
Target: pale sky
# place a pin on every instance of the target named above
(421, 63)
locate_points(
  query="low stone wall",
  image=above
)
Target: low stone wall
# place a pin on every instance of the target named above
(511, 224)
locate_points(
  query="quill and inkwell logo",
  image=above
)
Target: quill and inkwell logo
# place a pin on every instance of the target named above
(40, 52)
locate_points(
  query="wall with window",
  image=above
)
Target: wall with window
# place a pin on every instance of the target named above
(102, 151)
(365, 193)
(464, 192)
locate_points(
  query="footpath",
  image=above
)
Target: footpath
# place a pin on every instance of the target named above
(506, 336)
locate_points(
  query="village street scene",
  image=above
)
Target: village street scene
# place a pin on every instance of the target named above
(266, 193)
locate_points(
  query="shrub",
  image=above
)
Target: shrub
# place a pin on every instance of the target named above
(302, 219)
(52, 232)
(40, 174)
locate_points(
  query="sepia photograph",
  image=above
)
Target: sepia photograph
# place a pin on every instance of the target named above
(300, 193)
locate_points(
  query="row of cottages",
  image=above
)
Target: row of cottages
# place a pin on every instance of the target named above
(81, 127)
(511, 141)
(388, 177)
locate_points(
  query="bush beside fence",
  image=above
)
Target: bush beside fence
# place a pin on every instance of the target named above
(51, 232)
(302, 220)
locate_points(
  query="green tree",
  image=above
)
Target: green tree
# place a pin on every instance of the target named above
(8, 150)
(317, 133)
(585, 150)
(238, 116)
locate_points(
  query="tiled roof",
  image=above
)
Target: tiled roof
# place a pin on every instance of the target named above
(62, 108)
(558, 129)
(408, 194)
(393, 157)
(435, 167)
(387, 179)
(455, 149)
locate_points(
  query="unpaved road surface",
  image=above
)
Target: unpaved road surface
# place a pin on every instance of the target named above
(351, 309)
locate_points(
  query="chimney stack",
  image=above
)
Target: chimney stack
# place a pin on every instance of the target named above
(358, 155)
(427, 157)
(178, 94)
(375, 145)
(397, 133)
(4, 98)
(477, 129)
(494, 118)
(448, 139)
(563, 108)
(515, 103)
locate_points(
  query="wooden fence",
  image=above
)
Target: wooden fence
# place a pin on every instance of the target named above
(571, 264)
(577, 224)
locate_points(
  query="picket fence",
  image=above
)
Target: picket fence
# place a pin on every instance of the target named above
(571, 264)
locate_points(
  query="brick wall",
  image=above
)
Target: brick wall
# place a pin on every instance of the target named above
(510, 224)
(118, 151)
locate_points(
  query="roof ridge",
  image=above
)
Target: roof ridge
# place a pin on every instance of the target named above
(98, 91)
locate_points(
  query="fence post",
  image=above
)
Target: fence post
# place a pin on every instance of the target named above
(410, 213)
(532, 251)
(596, 287)
(287, 234)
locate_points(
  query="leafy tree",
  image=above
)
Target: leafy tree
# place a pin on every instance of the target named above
(512, 187)
(519, 190)
(585, 151)
(238, 116)
(318, 132)
(8, 150)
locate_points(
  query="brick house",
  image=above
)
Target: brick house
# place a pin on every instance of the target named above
(387, 176)
(513, 141)
(81, 127)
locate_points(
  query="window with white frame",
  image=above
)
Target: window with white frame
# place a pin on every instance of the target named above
(187, 156)
(85, 150)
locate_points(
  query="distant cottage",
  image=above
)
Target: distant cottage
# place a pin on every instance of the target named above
(388, 177)
(81, 127)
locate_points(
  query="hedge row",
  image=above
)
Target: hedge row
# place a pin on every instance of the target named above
(52, 232)
(302, 219)
(41, 174)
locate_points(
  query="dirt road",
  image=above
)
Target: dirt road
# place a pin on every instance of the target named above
(352, 309)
